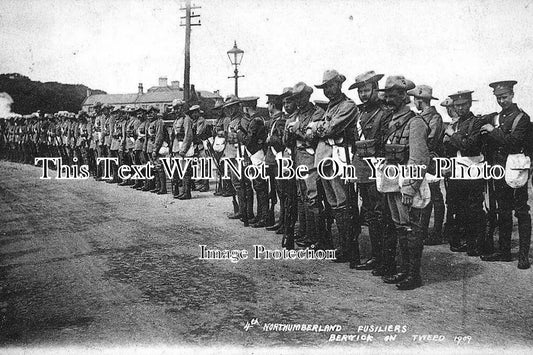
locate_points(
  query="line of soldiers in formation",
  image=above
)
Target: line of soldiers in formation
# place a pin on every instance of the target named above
(307, 133)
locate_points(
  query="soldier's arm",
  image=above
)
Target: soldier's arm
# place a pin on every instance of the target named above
(159, 135)
(187, 140)
(418, 153)
(336, 125)
(463, 141)
(512, 142)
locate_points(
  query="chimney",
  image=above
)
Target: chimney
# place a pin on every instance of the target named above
(175, 84)
(163, 81)
(89, 93)
(141, 91)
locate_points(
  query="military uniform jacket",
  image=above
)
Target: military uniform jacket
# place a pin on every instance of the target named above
(108, 128)
(83, 136)
(436, 133)
(116, 134)
(200, 132)
(160, 135)
(256, 134)
(305, 143)
(140, 135)
(502, 141)
(467, 137)
(338, 120)
(129, 132)
(232, 138)
(407, 128)
(275, 128)
(371, 123)
(183, 133)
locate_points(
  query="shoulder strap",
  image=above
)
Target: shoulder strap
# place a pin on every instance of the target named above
(371, 118)
(391, 132)
(515, 122)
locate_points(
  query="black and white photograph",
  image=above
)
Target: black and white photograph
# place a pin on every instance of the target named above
(266, 177)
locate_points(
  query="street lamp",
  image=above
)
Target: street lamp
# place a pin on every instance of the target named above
(235, 56)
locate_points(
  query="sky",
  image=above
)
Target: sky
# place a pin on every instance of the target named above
(115, 44)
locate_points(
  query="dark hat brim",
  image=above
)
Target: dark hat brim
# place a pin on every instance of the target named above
(372, 79)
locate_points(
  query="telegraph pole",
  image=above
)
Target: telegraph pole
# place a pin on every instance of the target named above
(189, 14)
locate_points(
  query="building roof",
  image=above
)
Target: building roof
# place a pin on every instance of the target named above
(159, 96)
(111, 99)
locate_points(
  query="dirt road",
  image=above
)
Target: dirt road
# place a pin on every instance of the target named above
(90, 263)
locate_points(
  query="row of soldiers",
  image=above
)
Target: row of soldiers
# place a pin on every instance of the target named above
(382, 126)
(306, 133)
(131, 135)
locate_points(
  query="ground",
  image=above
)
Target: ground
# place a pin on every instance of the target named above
(89, 263)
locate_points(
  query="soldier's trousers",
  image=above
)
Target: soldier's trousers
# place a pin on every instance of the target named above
(336, 191)
(372, 205)
(261, 191)
(510, 199)
(243, 188)
(467, 196)
(437, 205)
(408, 233)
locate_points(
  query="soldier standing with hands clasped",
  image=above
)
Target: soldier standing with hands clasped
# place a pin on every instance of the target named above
(509, 134)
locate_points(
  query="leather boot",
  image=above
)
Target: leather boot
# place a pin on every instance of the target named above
(156, 184)
(281, 221)
(300, 234)
(388, 253)
(137, 184)
(452, 230)
(425, 218)
(524, 234)
(310, 230)
(288, 239)
(186, 194)
(271, 220)
(375, 231)
(147, 185)
(413, 279)
(262, 211)
(162, 183)
(204, 185)
(240, 198)
(320, 237)
(404, 265)
(343, 221)
(505, 230)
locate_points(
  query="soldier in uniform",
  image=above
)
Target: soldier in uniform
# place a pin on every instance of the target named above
(288, 187)
(333, 133)
(509, 134)
(189, 146)
(310, 208)
(155, 142)
(275, 127)
(115, 132)
(423, 94)
(148, 148)
(82, 142)
(218, 144)
(178, 135)
(371, 125)
(254, 140)
(126, 154)
(463, 140)
(162, 149)
(405, 144)
(140, 139)
(451, 204)
(201, 134)
(234, 120)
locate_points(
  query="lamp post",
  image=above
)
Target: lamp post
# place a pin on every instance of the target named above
(235, 56)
